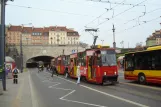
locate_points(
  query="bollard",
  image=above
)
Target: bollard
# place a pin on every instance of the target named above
(1, 87)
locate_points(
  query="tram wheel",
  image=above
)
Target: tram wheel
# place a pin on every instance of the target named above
(142, 78)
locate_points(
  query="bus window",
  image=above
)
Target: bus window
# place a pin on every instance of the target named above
(129, 63)
(156, 60)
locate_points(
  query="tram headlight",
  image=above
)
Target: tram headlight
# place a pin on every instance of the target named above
(115, 72)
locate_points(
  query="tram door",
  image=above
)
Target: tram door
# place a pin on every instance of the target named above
(90, 66)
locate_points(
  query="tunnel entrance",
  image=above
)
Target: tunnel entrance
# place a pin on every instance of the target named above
(32, 62)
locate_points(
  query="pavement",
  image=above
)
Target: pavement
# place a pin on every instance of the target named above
(17, 95)
(42, 90)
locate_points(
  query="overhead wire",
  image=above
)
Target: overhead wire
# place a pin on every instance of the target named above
(28, 7)
(142, 15)
(111, 8)
(113, 2)
(144, 22)
(120, 13)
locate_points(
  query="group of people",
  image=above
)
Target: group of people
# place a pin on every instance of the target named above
(67, 72)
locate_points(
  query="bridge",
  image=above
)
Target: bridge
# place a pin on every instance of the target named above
(32, 51)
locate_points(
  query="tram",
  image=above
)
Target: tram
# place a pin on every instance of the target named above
(98, 65)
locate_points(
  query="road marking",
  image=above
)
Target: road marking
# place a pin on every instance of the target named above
(67, 94)
(116, 97)
(72, 91)
(143, 86)
(156, 97)
(33, 97)
(83, 103)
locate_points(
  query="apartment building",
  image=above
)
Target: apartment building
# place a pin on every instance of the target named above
(154, 39)
(53, 35)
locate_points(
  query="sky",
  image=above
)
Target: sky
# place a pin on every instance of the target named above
(83, 14)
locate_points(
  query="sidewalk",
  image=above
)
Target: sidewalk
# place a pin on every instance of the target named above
(17, 95)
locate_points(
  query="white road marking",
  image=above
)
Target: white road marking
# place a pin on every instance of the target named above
(107, 94)
(72, 91)
(143, 86)
(84, 103)
(33, 97)
(116, 97)
(67, 94)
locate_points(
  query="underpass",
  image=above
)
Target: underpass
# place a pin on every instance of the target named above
(32, 62)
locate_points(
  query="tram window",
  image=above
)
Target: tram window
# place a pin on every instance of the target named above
(129, 63)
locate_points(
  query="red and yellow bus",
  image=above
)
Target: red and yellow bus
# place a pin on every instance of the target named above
(144, 66)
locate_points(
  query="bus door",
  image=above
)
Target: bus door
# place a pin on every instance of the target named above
(129, 65)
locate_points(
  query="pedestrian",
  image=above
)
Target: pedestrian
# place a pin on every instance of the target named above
(54, 70)
(78, 73)
(66, 72)
(15, 75)
(48, 68)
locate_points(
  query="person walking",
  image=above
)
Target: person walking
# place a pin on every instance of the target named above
(15, 75)
(78, 73)
(66, 72)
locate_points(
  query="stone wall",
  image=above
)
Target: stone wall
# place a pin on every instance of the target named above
(30, 51)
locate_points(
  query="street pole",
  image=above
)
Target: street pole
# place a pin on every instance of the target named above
(2, 44)
(21, 53)
(77, 46)
(114, 43)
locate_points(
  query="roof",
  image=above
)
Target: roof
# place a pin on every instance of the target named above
(57, 28)
(148, 49)
(27, 30)
(15, 28)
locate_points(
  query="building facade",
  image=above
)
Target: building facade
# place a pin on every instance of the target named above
(53, 35)
(154, 39)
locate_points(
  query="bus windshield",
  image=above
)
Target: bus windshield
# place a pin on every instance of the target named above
(108, 57)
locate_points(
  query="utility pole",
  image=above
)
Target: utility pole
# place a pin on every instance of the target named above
(2, 43)
(102, 42)
(114, 43)
(21, 53)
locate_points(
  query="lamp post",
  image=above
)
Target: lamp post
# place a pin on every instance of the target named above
(2, 45)
(102, 41)
(21, 50)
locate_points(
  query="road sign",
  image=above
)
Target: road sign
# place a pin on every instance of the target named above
(73, 51)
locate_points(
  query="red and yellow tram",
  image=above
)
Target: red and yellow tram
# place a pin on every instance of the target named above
(98, 65)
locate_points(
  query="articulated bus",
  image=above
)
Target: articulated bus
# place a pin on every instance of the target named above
(144, 66)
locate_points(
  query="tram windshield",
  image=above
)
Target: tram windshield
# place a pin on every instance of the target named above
(108, 57)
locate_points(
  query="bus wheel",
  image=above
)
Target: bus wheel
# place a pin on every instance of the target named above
(142, 79)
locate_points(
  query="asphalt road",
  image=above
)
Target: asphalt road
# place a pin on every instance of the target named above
(61, 92)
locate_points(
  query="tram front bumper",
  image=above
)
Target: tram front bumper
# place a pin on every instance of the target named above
(110, 78)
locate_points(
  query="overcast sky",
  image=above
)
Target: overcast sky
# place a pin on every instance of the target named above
(79, 13)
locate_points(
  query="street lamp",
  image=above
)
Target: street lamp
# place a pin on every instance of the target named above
(21, 51)
(2, 45)
(102, 41)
